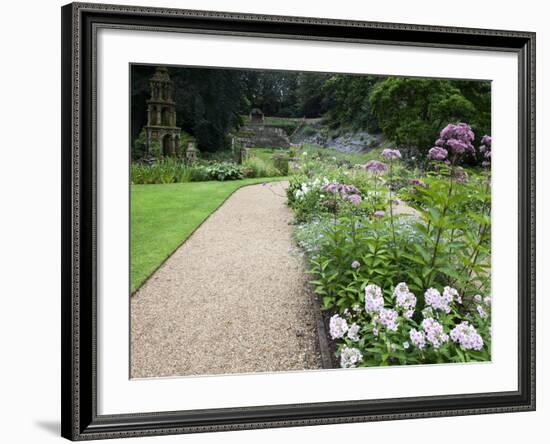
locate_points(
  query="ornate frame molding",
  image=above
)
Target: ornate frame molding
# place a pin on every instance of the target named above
(80, 22)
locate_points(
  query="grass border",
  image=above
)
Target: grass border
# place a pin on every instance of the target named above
(267, 180)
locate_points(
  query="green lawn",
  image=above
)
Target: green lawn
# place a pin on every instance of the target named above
(163, 216)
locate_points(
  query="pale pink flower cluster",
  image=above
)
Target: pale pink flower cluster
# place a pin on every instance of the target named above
(390, 154)
(353, 332)
(418, 338)
(467, 336)
(388, 318)
(452, 294)
(338, 327)
(434, 332)
(439, 301)
(373, 298)
(404, 299)
(350, 357)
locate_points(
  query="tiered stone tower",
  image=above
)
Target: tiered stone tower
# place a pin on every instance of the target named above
(161, 115)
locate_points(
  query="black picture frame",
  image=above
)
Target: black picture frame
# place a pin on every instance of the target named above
(80, 420)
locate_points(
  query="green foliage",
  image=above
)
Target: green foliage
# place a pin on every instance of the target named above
(223, 171)
(257, 167)
(280, 161)
(175, 171)
(446, 244)
(210, 103)
(412, 111)
(347, 98)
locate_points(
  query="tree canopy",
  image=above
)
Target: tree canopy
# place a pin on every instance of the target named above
(409, 111)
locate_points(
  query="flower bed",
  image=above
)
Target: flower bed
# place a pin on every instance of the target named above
(401, 289)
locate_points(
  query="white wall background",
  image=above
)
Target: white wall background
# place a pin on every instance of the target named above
(30, 219)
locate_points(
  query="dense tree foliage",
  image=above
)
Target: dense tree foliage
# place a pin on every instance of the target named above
(412, 111)
(409, 111)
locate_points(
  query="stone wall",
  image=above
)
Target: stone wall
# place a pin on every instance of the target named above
(263, 136)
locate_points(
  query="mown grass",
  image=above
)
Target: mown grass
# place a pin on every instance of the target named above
(165, 215)
(355, 158)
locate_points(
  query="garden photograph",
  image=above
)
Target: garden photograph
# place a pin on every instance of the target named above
(297, 221)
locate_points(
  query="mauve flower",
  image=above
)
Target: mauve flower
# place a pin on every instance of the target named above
(376, 166)
(379, 213)
(461, 131)
(437, 153)
(355, 199)
(485, 149)
(457, 146)
(418, 183)
(390, 154)
(355, 264)
(457, 138)
(486, 140)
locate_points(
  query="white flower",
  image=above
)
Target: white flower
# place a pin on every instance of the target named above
(406, 345)
(353, 332)
(373, 298)
(338, 327)
(481, 311)
(349, 357)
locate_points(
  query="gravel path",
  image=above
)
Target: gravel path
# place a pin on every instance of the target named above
(231, 299)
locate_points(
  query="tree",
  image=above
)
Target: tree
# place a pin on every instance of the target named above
(347, 101)
(411, 111)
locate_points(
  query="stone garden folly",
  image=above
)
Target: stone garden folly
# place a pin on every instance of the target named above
(161, 115)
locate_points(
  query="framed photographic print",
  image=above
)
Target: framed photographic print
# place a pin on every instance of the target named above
(279, 221)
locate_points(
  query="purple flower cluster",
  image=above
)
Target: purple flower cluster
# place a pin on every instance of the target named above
(375, 166)
(437, 153)
(374, 301)
(348, 192)
(390, 154)
(456, 139)
(379, 213)
(467, 336)
(418, 183)
(485, 149)
(355, 264)
(338, 327)
(434, 332)
(355, 199)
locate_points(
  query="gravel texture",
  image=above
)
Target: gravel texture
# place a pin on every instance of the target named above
(231, 299)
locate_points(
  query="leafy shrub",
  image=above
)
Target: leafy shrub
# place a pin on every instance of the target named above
(280, 161)
(172, 171)
(223, 171)
(445, 246)
(389, 327)
(256, 167)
